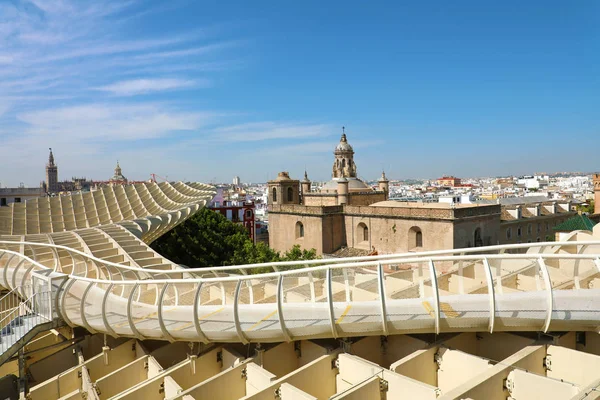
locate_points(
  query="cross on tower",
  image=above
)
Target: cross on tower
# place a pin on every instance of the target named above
(343, 129)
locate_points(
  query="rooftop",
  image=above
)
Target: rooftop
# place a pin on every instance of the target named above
(419, 204)
(579, 222)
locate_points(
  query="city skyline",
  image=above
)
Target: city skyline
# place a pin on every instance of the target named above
(98, 177)
(424, 91)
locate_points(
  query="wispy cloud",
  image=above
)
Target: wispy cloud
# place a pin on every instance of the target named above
(5, 59)
(142, 86)
(256, 131)
(115, 122)
(73, 77)
(4, 106)
(328, 146)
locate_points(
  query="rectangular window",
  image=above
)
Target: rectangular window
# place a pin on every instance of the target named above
(17, 199)
(3, 201)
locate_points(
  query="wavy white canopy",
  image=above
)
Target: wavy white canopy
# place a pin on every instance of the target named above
(107, 279)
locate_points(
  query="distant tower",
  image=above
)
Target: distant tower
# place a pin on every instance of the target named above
(343, 165)
(51, 174)
(284, 190)
(384, 184)
(596, 193)
(305, 184)
(118, 177)
(236, 181)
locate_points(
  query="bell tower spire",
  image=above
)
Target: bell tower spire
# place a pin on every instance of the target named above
(343, 164)
(51, 174)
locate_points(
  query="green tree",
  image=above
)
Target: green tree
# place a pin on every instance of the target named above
(209, 239)
(295, 254)
(589, 208)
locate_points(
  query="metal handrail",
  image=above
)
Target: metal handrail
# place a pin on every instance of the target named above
(387, 257)
(321, 268)
(18, 307)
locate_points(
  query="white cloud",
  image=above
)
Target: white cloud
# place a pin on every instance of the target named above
(306, 148)
(4, 107)
(6, 59)
(92, 49)
(71, 76)
(115, 122)
(43, 37)
(142, 86)
(255, 131)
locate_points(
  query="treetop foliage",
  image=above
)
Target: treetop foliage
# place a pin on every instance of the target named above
(209, 239)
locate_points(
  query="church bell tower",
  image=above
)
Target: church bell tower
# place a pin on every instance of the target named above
(343, 164)
(51, 174)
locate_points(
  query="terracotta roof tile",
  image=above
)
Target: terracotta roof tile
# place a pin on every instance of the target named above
(506, 216)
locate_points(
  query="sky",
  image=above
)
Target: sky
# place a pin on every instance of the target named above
(206, 90)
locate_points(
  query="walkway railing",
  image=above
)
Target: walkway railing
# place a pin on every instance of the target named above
(417, 292)
(20, 317)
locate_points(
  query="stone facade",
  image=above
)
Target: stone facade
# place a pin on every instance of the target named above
(347, 213)
(284, 190)
(532, 224)
(384, 229)
(321, 226)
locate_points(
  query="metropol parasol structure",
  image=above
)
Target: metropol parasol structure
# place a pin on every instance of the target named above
(80, 278)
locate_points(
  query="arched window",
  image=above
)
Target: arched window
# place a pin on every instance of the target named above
(274, 195)
(477, 239)
(299, 230)
(415, 237)
(290, 194)
(362, 233)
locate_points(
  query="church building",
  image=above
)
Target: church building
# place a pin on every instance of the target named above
(348, 217)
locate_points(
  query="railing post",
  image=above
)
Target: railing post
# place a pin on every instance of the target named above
(461, 285)
(421, 281)
(82, 309)
(109, 329)
(279, 297)
(491, 293)
(346, 284)
(436, 296)
(311, 281)
(382, 298)
(236, 313)
(197, 300)
(330, 302)
(161, 322)
(549, 297)
(134, 330)
(63, 300)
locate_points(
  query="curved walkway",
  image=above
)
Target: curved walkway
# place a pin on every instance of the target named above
(105, 278)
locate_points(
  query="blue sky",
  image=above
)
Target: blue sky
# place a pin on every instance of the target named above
(205, 90)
